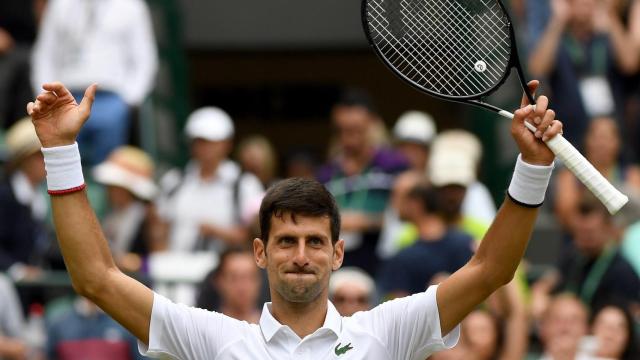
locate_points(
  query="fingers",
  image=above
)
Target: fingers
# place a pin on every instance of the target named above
(30, 106)
(48, 97)
(554, 129)
(87, 101)
(58, 88)
(533, 86)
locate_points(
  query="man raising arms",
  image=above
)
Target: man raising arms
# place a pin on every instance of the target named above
(299, 247)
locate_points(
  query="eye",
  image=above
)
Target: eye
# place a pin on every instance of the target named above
(287, 240)
(316, 241)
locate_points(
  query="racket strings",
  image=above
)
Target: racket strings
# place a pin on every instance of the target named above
(452, 47)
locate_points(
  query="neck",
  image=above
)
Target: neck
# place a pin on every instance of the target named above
(302, 318)
(208, 169)
(431, 228)
(355, 162)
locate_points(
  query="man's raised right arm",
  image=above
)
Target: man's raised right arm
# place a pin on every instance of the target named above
(58, 119)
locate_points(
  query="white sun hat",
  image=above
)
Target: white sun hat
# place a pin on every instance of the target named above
(209, 123)
(415, 126)
(130, 168)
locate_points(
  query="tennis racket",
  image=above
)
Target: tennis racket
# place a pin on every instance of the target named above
(463, 50)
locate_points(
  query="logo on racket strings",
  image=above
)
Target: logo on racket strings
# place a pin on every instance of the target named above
(480, 66)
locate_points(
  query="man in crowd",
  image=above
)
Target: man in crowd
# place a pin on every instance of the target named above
(351, 290)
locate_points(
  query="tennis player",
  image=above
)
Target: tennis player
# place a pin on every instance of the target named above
(299, 247)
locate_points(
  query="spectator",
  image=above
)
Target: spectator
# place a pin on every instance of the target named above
(593, 267)
(302, 164)
(602, 148)
(413, 133)
(585, 51)
(234, 287)
(110, 42)
(17, 33)
(397, 233)
(351, 290)
(129, 225)
(86, 332)
(454, 160)
(360, 176)
(204, 205)
(11, 323)
(613, 327)
(257, 156)
(23, 209)
(563, 328)
(439, 247)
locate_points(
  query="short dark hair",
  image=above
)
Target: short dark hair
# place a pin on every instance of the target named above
(588, 204)
(428, 197)
(353, 96)
(298, 196)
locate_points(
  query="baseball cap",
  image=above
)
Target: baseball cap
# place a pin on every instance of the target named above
(209, 123)
(415, 126)
(21, 140)
(451, 167)
(130, 168)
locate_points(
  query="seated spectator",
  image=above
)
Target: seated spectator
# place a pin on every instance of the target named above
(360, 175)
(593, 268)
(413, 133)
(23, 209)
(12, 347)
(614, 330)
(454, 160)
(563, 328)
(439, 247)
(351, 290)
(257, 156)
(86, 332)
(233, 288)
(204, 205)
(602, 146)
(129, 225)
(397, 233)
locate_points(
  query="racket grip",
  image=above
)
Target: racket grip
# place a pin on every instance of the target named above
(613, 199)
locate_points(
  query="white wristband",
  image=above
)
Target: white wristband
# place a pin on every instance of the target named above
(64, 169)
(529, 183)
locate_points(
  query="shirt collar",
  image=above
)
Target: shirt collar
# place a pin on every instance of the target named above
(270, 326)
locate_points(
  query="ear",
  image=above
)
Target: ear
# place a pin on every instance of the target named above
(338, 255)
(260, 253)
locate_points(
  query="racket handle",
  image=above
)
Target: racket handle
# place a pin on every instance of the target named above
(613, 199)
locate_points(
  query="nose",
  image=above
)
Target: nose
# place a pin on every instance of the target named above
(300, 255)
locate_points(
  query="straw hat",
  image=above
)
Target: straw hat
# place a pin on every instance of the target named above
(130, 168)
(21, 140)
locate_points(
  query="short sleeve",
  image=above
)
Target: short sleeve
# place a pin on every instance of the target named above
(409, 327)
(181, 332)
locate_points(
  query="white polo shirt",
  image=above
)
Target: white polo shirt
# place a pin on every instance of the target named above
(406, 328)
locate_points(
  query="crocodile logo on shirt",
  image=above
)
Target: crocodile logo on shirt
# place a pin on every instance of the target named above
(343, 350)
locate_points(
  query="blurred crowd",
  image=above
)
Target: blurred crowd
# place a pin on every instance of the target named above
(413, 206)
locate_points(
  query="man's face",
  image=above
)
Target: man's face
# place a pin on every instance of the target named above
(239, 282)
(351, 298)
(353, 126)
(591, 233)
(299, 257)
(416, 154)
(205, 151)
(564, 324)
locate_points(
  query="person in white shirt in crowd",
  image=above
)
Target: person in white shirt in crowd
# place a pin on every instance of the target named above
(477, 203)
(23, 208)
(110, 42)
(351, 290)
(299, 247)
(130, 223)
(12, 347)
(207, 205)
